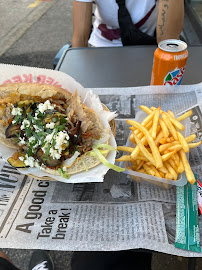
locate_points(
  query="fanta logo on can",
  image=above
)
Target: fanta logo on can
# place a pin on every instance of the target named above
(174, 77)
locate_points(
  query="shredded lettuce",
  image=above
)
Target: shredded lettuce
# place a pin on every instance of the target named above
(106, 162)
(105, 146)
(63, 174)
(103, 152)
(84, 164)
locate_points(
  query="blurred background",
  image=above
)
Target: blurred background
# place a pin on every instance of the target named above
(33, 31)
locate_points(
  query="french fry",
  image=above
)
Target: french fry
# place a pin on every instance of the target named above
(175, 148)
(175, 122)
(176, 159)
(124, 158)
(128, 168)
(145, 109)
(167, 156)
(169, 125)
(131, 137)
(134, 167)
(169, 176)
(165, 146)
(154, 108)
(160, 146)
(171, 170)
(171, 114)
(170, 139)
(151, 142)
(178, 146)
(142, 170)
(145, 151)
(155, 123)
(172, 163)
(180, 168)
(163, 170)
(188, 170)
(183, 142)
(148, 119)
(184, 116)
(163, 141)
(159, 137)
(192, 145)
(155, 171)
(140, 165)
(125, 149)
(148, 126)
(164, 128)
(148, 169)
(190, 138)
(162, 174)
(137, 150)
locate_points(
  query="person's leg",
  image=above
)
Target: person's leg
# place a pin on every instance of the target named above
(114, 260)
(5, 263)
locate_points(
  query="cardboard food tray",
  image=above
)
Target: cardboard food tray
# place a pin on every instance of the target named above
(141, 177)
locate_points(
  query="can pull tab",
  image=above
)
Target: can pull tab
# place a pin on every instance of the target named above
(172, 46)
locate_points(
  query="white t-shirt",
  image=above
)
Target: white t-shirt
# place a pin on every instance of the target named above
(106, 19)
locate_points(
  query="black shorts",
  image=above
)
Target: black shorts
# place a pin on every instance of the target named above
(6, 265)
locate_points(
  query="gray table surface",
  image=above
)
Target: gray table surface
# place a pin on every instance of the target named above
(121, 66)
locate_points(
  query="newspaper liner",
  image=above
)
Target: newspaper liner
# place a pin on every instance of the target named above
(118, 214)
(22, 74)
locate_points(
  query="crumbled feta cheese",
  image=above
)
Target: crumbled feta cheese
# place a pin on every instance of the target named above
(25, 124)
(16, 111)
(50, 125)
(45, 106)
(29, 161)
(37, 129)
(21, 158)
(22, 141)
(36, 164)
(54, 153)
(61, 138)
(64, 169)
(13, 122)
(31, 139)
(49, 137)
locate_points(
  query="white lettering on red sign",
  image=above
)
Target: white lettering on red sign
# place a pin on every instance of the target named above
(29, 78)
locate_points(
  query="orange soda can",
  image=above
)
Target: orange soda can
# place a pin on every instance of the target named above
(169, 62)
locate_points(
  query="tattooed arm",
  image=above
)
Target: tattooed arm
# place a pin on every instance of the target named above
(170, 19)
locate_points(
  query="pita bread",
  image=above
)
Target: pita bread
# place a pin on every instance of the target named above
(10, 94)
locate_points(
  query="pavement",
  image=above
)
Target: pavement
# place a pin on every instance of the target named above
(32, 32)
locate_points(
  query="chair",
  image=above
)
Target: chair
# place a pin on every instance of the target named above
(60, 53)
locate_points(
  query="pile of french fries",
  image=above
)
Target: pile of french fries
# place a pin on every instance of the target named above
(160, 146)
